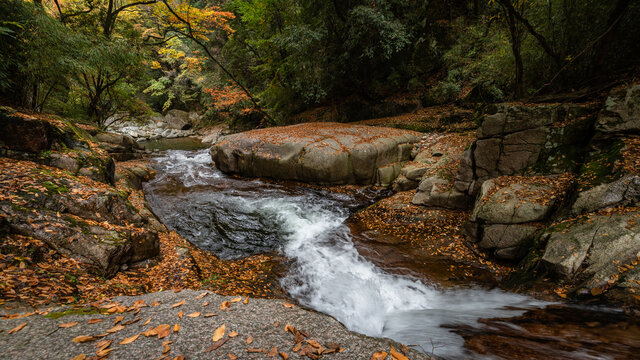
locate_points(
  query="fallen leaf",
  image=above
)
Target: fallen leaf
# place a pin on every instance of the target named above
(249, 340)
(297, 347)
(178, 304)
(194, 315)
(129, 340)
(246, 300)
(205, 304)
(217, 344)
(210, 315)
(235, 300)
(225, 305)
(288, 305)
(233, 334)
(180, 314)
(273, 352)
(94, 321)
(115, 329)
(219, 333)
(232, 357)
(118, 319)
(17, 328)
(103, 352)
(251, 350)
(164, 331)
(202, 295)
(147, 322)
(181, 357)
(176, 328)
(68, 325)
(80, 357)
(284, 356)
(395, 355)
(379, 355)
(166, 348)
(103, 344)
(83, 339)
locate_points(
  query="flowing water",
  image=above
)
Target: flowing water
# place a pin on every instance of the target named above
(235, 217)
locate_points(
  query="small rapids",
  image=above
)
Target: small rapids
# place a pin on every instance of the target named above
(234, 218)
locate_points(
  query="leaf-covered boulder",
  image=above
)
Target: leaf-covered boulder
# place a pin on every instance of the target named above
(331, 153)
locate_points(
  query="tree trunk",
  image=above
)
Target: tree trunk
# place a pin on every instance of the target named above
(516, 44)
(600, 58)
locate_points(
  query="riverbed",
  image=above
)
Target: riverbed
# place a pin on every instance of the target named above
(234, 217)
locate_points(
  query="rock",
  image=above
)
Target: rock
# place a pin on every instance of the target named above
(541, 139)
(621, 113)
(610, 241)
(121, 147)
(512, 204)
(75, 216)
(509, 241)
(65, 162)
(434, 191)
(403, 184)
(317, 152)
(178, 119)
(25, 133)
(622, 192)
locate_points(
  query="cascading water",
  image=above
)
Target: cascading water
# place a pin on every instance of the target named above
(234, 217)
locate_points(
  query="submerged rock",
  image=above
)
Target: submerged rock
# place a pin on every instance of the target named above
(331, 153)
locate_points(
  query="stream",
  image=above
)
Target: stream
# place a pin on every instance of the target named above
(234, 217)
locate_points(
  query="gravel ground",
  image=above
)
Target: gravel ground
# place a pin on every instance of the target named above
(263, 320)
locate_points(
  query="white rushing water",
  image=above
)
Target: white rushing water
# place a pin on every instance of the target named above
(329, 274)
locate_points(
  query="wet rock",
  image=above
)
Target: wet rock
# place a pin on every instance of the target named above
(317, 152)
(25, 133)
(402, 183)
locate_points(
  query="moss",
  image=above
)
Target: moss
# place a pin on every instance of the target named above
(600, 169)
(80, 311)
(55, 188)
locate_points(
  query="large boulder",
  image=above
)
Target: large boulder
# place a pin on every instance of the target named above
(597, 250)
(621, 113)
(331, 153)
(76, 216)
(540, 139)
(622, 192)
(178, 120)
(121, 147)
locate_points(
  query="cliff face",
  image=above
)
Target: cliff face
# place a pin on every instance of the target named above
(557, 187)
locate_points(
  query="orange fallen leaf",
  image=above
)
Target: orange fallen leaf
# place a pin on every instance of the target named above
(194, 315)
(176, 328)
(225, 305)
(273, 352)
(180, 314)
(249, 340)
(115, 329)
(129, 340)
(379, 355)
(395, 355)
(83, 339)
(147, 322)
(219, 333)
(79, 357)
(68, 325)
(235, 300)
(233, 334)
(118, 319)
(94, 321)
(103, 352)
(284, 356)
(103, 344)
(166, 348)
(210, 315)
(288, 305)
(17, 328)
(178, 304)
(202, 295)
(232, 357)
(246, 300)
